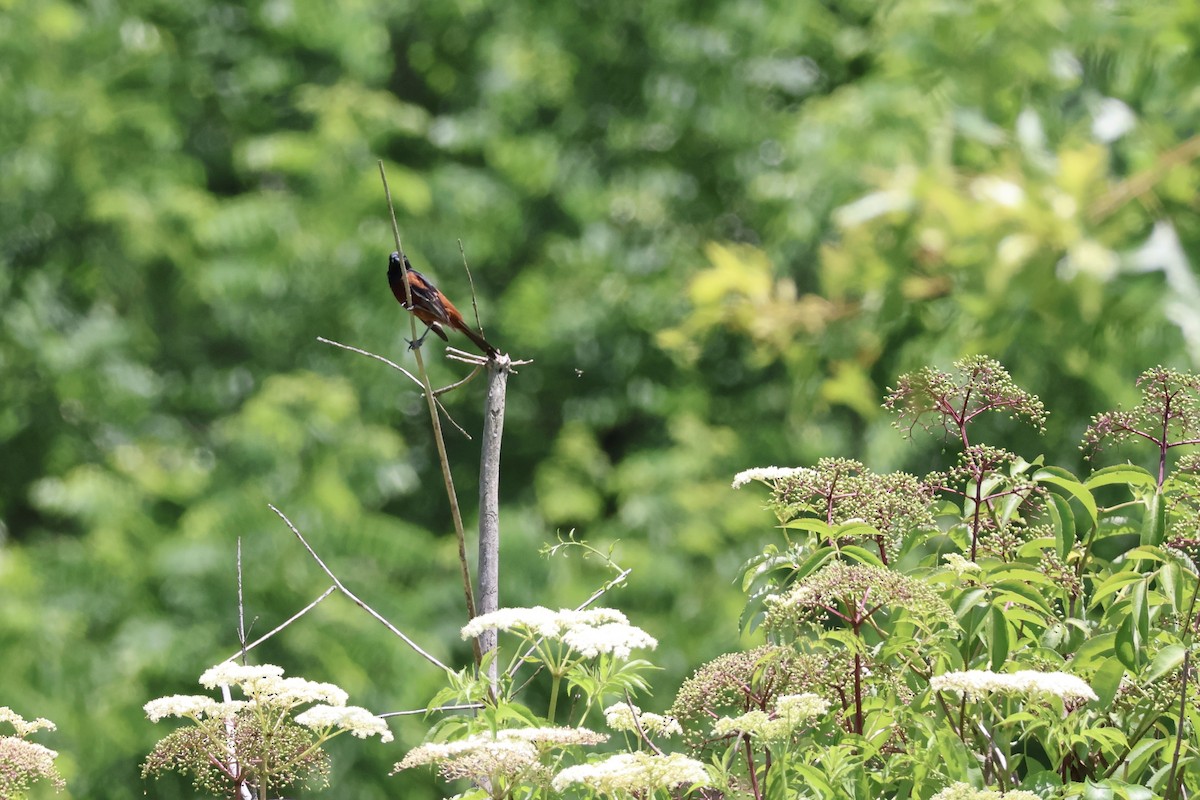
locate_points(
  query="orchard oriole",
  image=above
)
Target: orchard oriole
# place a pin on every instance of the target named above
(428, 304)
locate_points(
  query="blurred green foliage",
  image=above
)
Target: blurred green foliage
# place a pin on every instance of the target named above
(718, 229)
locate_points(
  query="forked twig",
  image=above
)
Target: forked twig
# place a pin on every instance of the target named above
(246, 648)
(411, 377)
(432, 659)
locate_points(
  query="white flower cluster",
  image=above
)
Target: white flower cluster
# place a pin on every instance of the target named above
(791, 711)
(266, 686)
(959, 565)
(589, 632)
(21, 725)
(964, 791)
(978, 683)
(473, 756)
(766, 474)
(511, 752)
(637, 774)
(555, 736)
(358, 721)
(626, 717)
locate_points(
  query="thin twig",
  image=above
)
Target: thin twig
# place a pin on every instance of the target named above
(248, 647)
(471, 281)
(637, 723)
(416, 711)
(411, 377)
(354, 598)
(241, 604)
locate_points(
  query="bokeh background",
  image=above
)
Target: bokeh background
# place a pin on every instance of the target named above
(720, 230)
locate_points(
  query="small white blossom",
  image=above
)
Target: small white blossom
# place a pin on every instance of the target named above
(615, 637)
(589, 632)
(959, 565)
(358, 721)
(22, 726)
(964, 791)
(624, 717)
(557, 736)
(997, 190)
(977, 684)
(540, 621)
(798, 708)
(475, 757)
(231, 674)
(791, 712)
(766, 474)
(1113, 119)
(634, 773)
(754, 723)
(181, 705)
(291, 692)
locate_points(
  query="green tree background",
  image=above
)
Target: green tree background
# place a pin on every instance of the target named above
(719, 229)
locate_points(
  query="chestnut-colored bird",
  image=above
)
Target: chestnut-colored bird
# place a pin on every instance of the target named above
(429, 305)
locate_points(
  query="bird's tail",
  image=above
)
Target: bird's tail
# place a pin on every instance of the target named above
(480, 342)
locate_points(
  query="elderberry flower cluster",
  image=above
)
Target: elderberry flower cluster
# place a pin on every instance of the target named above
(767, 475)
(589, 632)
(736, 683)
(256, 741)
(964, 791)
(977, 684)
(959, 565)
(510, 754)
(853, 592)
(23, 762)
(629, 718)
(791, 712)
(638, 774)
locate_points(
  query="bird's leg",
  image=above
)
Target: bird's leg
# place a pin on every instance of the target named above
(413, 345)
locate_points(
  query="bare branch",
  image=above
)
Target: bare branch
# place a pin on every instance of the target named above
(354, 598)
(246, 648)
(410, 376)
(417, 711)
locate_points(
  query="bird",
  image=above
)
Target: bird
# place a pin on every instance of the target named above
(429, 305)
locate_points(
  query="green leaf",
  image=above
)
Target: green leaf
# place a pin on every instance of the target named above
(1154, 524)
(1127, 644)
(1055, 476)
(1114, 584)
(862, 555)
(1121, 473)
(1140, 612)
(1064, 525)
(1096, 791)
(817, 526)
(1094, 650)
(1167, 660)
(1107, 681)
(998, 639)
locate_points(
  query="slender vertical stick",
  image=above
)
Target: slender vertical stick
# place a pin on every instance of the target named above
(489, 501)
(436, 422)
